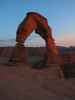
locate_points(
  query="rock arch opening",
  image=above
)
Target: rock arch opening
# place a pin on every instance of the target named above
(35, 40)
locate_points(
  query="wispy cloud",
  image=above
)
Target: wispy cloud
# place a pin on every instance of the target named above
(67, 39)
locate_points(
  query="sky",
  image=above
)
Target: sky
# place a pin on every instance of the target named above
(60, 15)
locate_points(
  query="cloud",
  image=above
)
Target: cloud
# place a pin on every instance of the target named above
(67, 39)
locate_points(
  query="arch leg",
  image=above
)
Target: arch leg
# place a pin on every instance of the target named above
(19, 54)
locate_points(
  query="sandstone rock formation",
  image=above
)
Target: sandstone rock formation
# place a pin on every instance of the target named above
(38, 23)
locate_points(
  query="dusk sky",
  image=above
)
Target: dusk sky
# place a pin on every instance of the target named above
(60, 15)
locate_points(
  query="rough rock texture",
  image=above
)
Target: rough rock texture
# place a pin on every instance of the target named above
(22, 82)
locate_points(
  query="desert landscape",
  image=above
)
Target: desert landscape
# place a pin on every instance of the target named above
(22, 82)
(37, 50)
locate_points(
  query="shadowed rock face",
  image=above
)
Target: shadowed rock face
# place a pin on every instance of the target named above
(38, 23)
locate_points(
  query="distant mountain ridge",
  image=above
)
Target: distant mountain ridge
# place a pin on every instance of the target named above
(6, 43)
(12, 42)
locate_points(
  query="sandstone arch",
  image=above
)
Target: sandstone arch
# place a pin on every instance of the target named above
(37, 22)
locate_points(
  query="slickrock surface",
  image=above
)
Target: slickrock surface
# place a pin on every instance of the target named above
(22, 82)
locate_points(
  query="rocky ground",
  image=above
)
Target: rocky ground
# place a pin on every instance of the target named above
(22, 82)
